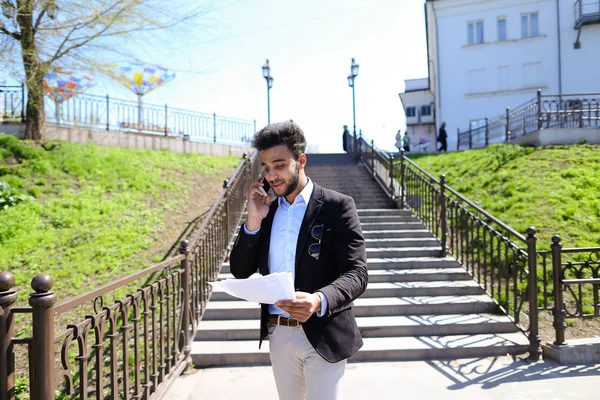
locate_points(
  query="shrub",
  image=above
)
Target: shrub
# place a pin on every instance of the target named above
(11, 146)
(9, 197)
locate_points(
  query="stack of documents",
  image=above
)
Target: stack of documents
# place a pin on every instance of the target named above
(266, 289)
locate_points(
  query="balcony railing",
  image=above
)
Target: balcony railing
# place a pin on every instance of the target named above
(568, 111)
(587, 12)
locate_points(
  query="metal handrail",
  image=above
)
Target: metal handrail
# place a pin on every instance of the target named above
(198, 234)
(487, 215)
(93, 294)
(421, 170)
(503, 270)
(535, 115)
(480, 210)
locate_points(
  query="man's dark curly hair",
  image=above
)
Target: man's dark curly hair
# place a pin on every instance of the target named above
(287, 132)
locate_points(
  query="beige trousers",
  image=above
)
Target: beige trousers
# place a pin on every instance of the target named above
(300, 372)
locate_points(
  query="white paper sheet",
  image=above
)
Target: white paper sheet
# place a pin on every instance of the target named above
(260, 289)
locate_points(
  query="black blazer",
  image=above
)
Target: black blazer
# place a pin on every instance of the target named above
(340, 273)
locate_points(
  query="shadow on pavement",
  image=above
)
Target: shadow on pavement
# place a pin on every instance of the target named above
(492, 372)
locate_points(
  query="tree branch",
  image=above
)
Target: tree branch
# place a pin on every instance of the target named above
(60, 53)
(38, 21)
(76, 21)
(54, 58)
(14, 35)
(98, 34)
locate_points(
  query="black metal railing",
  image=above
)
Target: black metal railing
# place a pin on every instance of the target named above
(571, 111)
(502, 260)
(12, 106)
(134, 347)
(521, 280)
(574, 284)
(107, 113)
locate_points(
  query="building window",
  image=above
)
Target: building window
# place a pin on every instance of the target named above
(425, 111)
(501, 29)
(411, 112)
(529, 25)
(475, 32)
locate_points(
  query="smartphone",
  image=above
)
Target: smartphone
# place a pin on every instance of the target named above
(265, 186)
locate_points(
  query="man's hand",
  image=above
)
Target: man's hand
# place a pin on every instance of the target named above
(302, 307)
(258, 206)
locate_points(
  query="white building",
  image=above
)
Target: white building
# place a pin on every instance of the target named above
(419, 108)
(486, 55)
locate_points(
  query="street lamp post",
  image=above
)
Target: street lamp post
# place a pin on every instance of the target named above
(267, 75)
(351, 78)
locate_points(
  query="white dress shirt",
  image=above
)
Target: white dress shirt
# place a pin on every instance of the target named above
(284, 238)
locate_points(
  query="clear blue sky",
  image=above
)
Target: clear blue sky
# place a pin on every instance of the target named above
(310, 45)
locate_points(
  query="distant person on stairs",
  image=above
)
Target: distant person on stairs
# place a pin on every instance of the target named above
(399, 140)
(406, 142)
(443, 138)
(345, 138)
(315, 234)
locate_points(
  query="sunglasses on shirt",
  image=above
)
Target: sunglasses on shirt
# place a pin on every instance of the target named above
(317, 233)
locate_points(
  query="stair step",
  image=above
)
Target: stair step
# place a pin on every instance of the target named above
(441, 347)
(411, 275)
(422, 305)
(246, 352)
(402, 242)
(416, 325)
(397, 233)
(399, 289)
(431, 288)
(402, 252)
(405, 275)
(365, 307)
(411, 262)
(372, 226)
(388, 218)
(365, 212)
(391, 263)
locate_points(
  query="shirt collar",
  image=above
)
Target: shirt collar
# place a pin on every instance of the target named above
(304, 194)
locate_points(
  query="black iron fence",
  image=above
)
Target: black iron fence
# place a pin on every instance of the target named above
(571, 111)
(521, 279)
(12, 106)
(105, 112)
(134, 347)
(572, 280)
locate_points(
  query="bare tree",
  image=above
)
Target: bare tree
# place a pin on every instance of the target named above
(39, 35)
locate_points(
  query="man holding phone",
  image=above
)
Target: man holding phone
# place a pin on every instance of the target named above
(315, 234)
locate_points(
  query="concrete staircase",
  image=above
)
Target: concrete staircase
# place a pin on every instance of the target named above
(417, 305)
(340, 173)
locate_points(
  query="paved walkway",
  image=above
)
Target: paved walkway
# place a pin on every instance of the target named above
(486, 378)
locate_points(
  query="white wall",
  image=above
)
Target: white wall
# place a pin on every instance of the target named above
(580, 68)
(481, 80)
(131, 140)
(417, 132)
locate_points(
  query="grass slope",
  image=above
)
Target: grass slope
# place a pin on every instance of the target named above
(95, 211)
(554, 189)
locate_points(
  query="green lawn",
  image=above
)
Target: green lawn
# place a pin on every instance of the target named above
(555, 188)
(92, 211)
